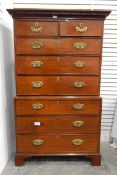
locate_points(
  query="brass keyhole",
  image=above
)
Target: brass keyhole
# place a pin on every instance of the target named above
(58, 59)
(58, 78)
(58, 41)
(36, 24)
(81, 24)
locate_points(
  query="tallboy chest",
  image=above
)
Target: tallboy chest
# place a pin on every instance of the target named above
(58, 61)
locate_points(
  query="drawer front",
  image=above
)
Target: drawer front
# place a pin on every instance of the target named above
(40, 28)
(58, 46)
(79, 124)
(45, 144)
(56, 65)
(57, 85)
(32, 124)
(81, 28)
(30, 106)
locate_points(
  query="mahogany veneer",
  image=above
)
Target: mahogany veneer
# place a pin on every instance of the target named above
(57, 85)
(57, 46)
(58, 60)
(52, 65)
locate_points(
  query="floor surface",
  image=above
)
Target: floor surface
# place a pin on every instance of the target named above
(66, 165)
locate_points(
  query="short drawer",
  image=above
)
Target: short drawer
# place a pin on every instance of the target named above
(57, 65)
(35, 124)
(57, 46)
(35, 27)
(81, 28)
(77, 124)
(57, 105)
(56, 143)
(57, 85)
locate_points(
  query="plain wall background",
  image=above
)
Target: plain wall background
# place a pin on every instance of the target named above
(7, 89)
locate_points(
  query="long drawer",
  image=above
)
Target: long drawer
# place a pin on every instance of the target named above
(57, 143)
(57, 105)
(37, 124)
(57, 65)
(57, 85)
(57, 46)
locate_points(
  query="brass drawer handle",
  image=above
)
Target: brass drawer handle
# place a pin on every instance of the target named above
(78, 84)
(37, 45)
(37, 64)
(78, 123)
(78, 106)
(37, 106)
(81, 28)
(79, 64)
(77, 142)
(37, 142)
(37, 84)
(36, 28)
(80, 45)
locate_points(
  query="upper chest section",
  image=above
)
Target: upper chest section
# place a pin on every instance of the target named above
(43, 22)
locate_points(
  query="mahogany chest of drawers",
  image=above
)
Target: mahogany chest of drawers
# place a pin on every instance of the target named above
(58, 61)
